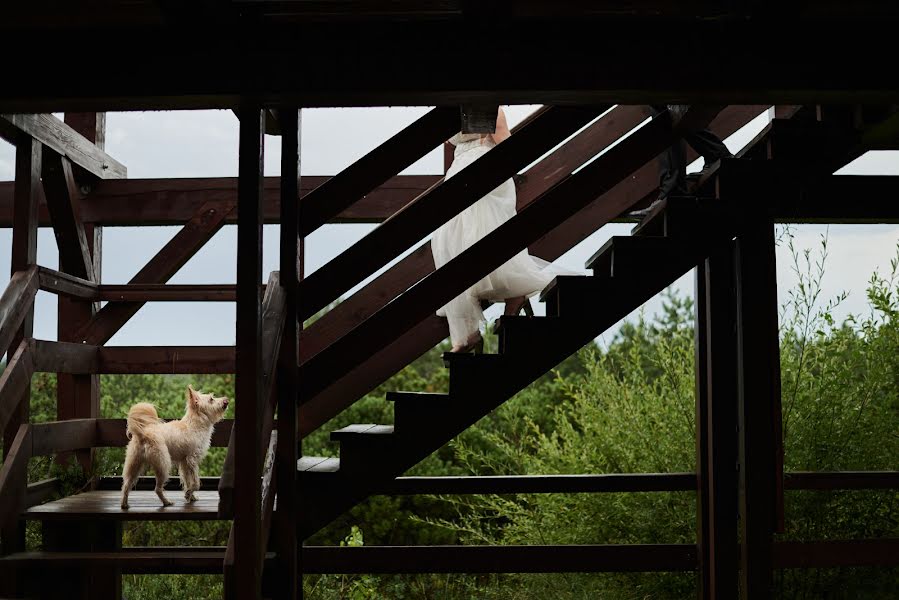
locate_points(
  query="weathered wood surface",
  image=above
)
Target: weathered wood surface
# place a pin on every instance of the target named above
(15, 304)
(63, 140)
(14, 382)
(144, 506)
(63, 203)
(111, 432)
(83, 359)
(172, 201)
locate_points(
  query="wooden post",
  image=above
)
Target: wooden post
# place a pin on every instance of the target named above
(716, 424)
(759, 401)
(80, 583)
(78, 396)
(24, 254)
(245, 582)
(289, 583)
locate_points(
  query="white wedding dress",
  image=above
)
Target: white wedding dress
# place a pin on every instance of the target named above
(522, 275)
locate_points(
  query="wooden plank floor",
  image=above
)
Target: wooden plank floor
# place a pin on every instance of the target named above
(144, 506)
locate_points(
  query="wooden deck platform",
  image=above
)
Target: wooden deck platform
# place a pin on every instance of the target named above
(144, 506)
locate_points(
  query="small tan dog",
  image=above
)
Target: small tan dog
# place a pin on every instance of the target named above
(158, 444)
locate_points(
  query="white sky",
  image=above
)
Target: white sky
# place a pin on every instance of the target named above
(204, 144)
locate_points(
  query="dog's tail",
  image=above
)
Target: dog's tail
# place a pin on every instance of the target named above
(141, 416)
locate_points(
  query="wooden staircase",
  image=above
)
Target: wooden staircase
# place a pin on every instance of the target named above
(627, 271)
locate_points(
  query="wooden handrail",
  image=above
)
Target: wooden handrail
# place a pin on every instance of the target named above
(67, 357)
(13, 478)
(342, 191)
(14, 381)
(16, 301)
(554, 207)
(436, 206)
(273, 316)
(382, 364)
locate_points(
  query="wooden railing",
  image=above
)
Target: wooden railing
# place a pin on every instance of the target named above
(320, 406)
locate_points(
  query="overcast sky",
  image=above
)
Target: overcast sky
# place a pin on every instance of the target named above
(204, 144)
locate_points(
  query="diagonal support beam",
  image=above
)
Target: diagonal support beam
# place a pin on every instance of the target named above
(337, 194)
(63, 196)
(62, 139)
(187, 242)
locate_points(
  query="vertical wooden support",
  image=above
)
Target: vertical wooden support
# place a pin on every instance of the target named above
(245, 581)
(759, 401)
(700, 332)
(78, 396)
(716, 423)
(24, 253)
(289, 583)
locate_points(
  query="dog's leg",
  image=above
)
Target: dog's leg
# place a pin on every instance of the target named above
(131, 471)
(162, 465)
(190, 478)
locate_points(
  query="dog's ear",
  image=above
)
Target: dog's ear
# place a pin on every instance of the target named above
(193, 397)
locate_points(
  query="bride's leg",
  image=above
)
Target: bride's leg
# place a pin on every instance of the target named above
(514, 305)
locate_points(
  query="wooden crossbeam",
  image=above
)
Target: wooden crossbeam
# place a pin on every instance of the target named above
(199, 230)
(499, 559)
(13, 478)
(438, 205)
(63, 140)
(84, 359)
(124, 202)
(111, 434)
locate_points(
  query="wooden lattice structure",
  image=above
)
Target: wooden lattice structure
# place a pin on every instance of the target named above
(273, 58)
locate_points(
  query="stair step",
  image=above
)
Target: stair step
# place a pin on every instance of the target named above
(523, 335)
(639, 257)
(129, 560)
(573, 295)
(469, 372)
(318, 464)
(413, 411)
(352, 432)
(681, 217)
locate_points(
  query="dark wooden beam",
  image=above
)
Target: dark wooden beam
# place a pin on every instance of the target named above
(758, 398)
(437, 206)
(24, 257)
(13, 479)
(569, 66)
(15, 304)
(499, 559)
(111, 434)
(199, 230)
(67, 285)
(62, 436)
(837, 553)
(64, 140)
(124, 202)
(718, 423)
(339, 193)
(244, 580)
(14, 381)
(83, 359)
(63, 198)
(842, 480)
(540, 484)
(288, 578)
